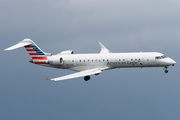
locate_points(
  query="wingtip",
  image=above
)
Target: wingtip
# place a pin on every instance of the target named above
(46, 77)
(104, 50)
(100, 43)
(102, 46)
(7, 49)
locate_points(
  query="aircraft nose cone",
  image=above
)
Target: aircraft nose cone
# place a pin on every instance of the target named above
(173, 62)
(170, 61)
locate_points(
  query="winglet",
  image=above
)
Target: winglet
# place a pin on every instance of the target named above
(104, 50)
(46, 77)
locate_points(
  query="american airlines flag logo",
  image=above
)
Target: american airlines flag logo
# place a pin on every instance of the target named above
(37, 55)
(140, 62)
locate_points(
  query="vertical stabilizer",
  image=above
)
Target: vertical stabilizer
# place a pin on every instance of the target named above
(38, 56)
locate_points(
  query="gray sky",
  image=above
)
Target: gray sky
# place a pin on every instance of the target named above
(122, 26)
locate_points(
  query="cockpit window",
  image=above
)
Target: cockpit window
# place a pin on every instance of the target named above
(158, 57)
(161, 57)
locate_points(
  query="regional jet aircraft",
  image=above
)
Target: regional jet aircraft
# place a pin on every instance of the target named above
(92, 64)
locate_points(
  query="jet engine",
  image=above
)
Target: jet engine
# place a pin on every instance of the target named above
(56, 61)
(68, 52)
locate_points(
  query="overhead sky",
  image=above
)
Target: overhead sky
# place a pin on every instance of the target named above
(78, 25)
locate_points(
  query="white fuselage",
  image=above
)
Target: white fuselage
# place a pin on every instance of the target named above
(80, 62)
(90, 64)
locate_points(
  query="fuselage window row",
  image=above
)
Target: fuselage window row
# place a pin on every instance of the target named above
(108, 60)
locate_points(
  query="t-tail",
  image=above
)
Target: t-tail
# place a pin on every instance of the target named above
(38, 56)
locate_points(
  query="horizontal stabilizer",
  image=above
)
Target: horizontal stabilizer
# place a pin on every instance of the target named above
(75, 75)
(23, 43)
(17, 46)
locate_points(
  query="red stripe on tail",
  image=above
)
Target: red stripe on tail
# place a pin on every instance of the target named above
(39, 63)
(30, 49)
(33, 54)
(39, 58)
(27, 46)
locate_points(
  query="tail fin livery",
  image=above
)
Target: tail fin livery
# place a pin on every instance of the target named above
(38, 56)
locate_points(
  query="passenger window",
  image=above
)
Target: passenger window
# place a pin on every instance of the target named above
(84, 60)
(79, 60)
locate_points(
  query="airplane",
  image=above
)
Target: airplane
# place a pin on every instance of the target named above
(92, 64)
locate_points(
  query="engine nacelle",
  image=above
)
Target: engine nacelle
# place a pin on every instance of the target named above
(56, 61)
(68, 52)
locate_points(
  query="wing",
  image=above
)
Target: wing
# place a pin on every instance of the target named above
(75, 75)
